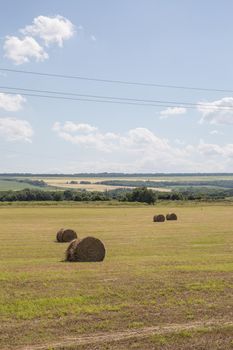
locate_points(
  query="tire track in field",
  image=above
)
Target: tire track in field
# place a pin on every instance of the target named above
(128, 334)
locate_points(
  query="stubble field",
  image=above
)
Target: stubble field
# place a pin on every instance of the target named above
(161, 286)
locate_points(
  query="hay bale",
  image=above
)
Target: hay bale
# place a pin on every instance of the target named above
(70, 250)
(171, 216)
(59, 235)
(66, 235)
(87, 250)
(159, 218)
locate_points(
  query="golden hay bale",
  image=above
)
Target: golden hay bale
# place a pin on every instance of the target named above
(70, 250)
(59, 235)
(171, 216)
(159, 218)
(87, 250)
(66, 235)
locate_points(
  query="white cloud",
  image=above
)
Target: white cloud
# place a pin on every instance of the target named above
(217, 112)
(172, 111)
(52, 30)
(11, 103)
(139, 139)
(140, 150)
(74, 127)
(23, 50)
(86, 135)
(138, 142)
(13, 129)
(215, 150)
(93, 38)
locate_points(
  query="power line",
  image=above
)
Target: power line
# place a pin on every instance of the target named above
(88, 99)
(110, 99)
(107, 97)
(112, 81)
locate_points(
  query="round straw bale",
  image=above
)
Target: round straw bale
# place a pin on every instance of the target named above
(59, 235)
(68, 235)
(159, 218)
(171, 216)
(70, 250)
(87, 250)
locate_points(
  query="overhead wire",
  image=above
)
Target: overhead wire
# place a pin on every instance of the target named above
(115, 81)
(108, 99)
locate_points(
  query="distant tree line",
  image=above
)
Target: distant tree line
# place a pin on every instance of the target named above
(141, 194)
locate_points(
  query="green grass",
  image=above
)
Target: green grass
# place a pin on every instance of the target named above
(153, 274)
(14, 185)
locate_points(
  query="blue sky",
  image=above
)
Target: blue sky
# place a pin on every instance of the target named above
(185, 43)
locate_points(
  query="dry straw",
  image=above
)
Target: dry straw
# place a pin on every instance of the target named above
(88, 249)
(59, 235)
(159, 218)
(171, 216)
(66, 235)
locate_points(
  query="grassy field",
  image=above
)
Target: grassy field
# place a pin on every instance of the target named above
(14, 185)
(162, 285)
(63, 182)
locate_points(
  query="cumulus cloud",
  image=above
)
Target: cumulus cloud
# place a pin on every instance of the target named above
(214, 150)
(139, 139)
(141, 150)
(13, 129)
(23, 50)
(74, 127)
(46, 30)
(11, 103)
(86, 135)
(217, 112)
(172, 111)
(52, 30)
(135, 142)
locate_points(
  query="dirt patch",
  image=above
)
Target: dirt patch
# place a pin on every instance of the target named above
(128, 334)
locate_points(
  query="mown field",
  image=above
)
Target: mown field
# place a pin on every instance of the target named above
(161, 286)
(106, 183)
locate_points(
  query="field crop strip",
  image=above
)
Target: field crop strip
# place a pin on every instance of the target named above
(153, 274)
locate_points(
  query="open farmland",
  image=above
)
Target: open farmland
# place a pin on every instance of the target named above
(17, 184)
(161, 286)
(163, 183)
(93, 184)
(6, 185)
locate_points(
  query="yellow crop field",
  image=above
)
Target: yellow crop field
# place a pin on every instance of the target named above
(161, 286)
